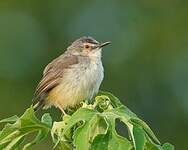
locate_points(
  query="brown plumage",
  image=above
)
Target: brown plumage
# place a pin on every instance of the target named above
(72, 77)
(52, 76)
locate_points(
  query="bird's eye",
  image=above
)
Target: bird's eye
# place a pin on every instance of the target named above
(87, 46)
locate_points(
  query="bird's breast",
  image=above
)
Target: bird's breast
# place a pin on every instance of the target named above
(79, 82)
(88, 76)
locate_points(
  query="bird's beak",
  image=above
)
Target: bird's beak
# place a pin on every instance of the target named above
(104, 44)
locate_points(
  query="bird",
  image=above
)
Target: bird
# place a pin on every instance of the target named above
(74, 76)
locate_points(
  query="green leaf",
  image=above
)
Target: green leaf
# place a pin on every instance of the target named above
(168, 146)
(15, 142)
(93, 126)
(101, 142)
(122, 112)
(13, 134)
(88, 131)
(81, 114)
(82, 135)
(8, 133)
(56, 132)
(119, 143)
(10, 119)
(114, 100)
(136, 126)
(89, 124)
(41, 135)
(64, 146)
(47, 119)
(146, 128)
(110, 141)
(139, 137)
(150, 145)
(100, 126)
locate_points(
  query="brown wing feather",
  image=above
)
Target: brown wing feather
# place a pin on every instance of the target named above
(53, 74)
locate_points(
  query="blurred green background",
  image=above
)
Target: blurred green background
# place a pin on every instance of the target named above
(145, 66)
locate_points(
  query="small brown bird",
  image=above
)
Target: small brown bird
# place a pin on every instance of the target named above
(72, 77)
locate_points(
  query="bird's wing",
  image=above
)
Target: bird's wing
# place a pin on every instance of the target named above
(53, 74)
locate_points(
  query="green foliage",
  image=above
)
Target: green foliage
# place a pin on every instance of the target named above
(13, 135)
(92, 126)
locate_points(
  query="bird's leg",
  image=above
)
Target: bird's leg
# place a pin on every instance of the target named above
(62, 110)
(64, 113)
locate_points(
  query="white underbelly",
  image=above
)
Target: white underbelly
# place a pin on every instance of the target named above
(77, 85)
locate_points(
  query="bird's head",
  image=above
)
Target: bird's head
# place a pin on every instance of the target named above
(86, 46)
